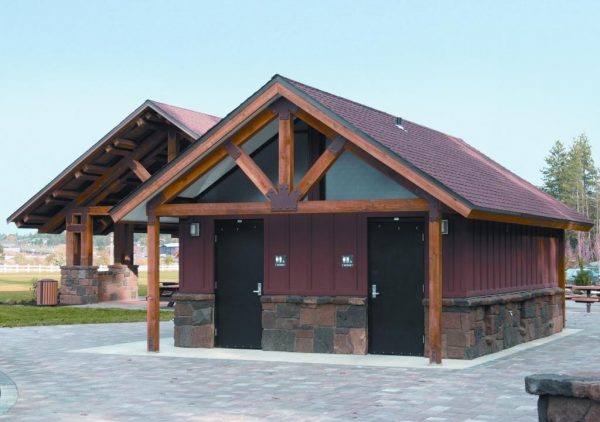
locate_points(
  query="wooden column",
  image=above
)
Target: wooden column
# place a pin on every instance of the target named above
(72, 242)
(153, 301)
(560, 263)
(434, 254)
(286, 151)
(87, 239)
(172, 145)
(123, 244)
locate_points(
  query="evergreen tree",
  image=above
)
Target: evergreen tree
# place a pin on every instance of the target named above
(555, 173)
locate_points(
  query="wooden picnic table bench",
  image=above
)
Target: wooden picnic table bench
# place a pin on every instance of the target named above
(588, 299)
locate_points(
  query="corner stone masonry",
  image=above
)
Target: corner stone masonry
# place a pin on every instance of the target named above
(566, 398)
(118, 283)
(314, 324)
(477, 326)
(194, 320)
(78, 285)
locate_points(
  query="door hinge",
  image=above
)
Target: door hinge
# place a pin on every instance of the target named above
(215, 238)
(216, 332)
(215, 285)
(422, 286)
(423, 336)
(422, 237)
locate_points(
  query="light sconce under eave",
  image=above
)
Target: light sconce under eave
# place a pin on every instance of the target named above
(194, 229)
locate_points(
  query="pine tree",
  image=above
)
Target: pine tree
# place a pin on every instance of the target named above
(555, 174)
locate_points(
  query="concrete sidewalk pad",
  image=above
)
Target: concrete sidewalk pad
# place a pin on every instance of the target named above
(168, 350)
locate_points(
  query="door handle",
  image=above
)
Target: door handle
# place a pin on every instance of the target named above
(258, 290)
(374, 292)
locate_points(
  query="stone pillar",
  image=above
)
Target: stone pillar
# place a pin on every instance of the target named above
(194, 320)
(314, 324)
(118, 283)
(78, 285)
(566, 398)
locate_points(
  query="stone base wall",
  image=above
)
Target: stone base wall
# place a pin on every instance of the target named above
(78, 285)
(478, 326)
(314, 324)
(566, 398)
(194, 320)
(118, 283)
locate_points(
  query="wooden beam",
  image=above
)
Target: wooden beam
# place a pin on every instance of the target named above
(529, 221)
(153, 298)
(560, 268)
(172, 144)
(316, 124)
(250, 168)
(35, 219)
(251, 128)
(110, 149)
(125, 143)
(75, 228)
(189, 165)
(54, 201)
(87, 240)
(99, 210)
(79, 175)
(94, 169)
(97, 189)
(308, 109)
(434, 254)
(65, 194)
(320, 167)
(286, 152)
(304, 207)
(139, 170)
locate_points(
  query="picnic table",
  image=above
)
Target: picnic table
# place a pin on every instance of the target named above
(167, 289)
(588, 299)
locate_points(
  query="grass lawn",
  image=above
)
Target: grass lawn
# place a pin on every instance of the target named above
(17, 287)
(20, 316)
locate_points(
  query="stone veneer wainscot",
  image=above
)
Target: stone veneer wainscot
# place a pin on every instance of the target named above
(194, 320)
(319, 324)
(477, 326)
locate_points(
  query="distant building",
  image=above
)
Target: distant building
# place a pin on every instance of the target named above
(169, 249)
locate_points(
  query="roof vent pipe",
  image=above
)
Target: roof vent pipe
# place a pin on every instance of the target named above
(399, 123)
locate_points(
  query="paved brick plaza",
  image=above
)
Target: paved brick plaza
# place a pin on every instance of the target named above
(55, 384)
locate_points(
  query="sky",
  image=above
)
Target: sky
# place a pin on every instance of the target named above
(510, 77)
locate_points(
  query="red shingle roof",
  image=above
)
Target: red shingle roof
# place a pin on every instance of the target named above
(198, 122)
(450, 161)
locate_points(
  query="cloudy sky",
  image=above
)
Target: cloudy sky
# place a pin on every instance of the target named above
(508, 77)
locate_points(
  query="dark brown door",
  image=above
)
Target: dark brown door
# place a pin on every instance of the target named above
(396, 279)
(238, 272)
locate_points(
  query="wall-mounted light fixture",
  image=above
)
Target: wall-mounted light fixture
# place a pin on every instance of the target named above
(195, 229)
(444, 226)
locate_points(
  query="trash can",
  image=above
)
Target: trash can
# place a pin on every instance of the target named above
(46, 292)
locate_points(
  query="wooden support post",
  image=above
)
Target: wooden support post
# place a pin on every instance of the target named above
(435, 282)
(72, 257)
(286, 152)
(123, 243)
(560, 263)
(172, 149)
(87, 239)
(153, 300)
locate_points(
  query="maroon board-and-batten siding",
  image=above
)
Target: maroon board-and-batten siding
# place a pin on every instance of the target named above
(479, 257)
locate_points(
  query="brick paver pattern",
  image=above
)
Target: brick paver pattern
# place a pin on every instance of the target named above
(55, 384)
